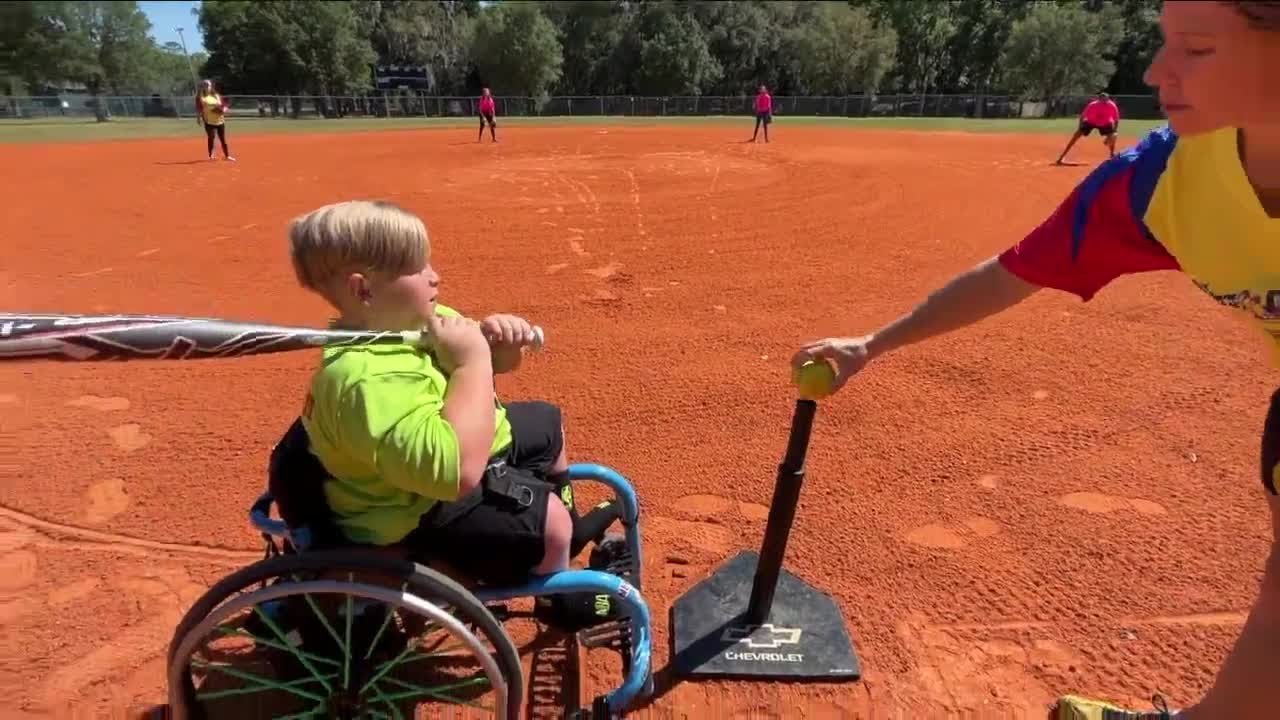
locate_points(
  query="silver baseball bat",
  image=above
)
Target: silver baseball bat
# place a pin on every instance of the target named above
(91, 338)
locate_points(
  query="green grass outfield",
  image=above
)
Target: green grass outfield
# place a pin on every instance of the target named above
(59, 130)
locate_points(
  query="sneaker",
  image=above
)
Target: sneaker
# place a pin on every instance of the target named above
(608, 552)
(592, 527)
(572, 612)
(1074, 707)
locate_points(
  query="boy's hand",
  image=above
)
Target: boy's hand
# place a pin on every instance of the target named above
(458, 340)
(508, 331)
(508, 335)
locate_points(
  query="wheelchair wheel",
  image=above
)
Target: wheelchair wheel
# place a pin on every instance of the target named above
(341, 634)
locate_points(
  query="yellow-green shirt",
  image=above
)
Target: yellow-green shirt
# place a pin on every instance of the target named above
(373, 418)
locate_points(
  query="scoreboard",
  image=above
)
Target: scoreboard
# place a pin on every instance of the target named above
(402, 77)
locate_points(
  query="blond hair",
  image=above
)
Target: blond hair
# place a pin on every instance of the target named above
(1261, 14)
(356, 236)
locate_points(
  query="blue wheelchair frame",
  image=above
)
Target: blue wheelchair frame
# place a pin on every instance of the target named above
(638, 681)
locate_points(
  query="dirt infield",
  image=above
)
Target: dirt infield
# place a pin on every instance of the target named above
(1064, 499)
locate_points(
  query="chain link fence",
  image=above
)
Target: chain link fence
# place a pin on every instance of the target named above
(408, 105)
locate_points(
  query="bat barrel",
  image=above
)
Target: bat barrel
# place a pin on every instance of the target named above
(156, 337)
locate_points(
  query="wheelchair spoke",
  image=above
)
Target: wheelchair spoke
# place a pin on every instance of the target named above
(386, 620)
(472, 681)
(318, 710)
(404, 659)
(325, 622)
(260, 683)
(440, 692)
(346, 646)
(241, 632)
(294, 651)
(385, 668)
(395, 711)
(438, 651)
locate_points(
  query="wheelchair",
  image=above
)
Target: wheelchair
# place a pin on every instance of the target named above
(325, 628)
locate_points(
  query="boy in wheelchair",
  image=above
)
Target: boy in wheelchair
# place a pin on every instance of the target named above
(410, 444)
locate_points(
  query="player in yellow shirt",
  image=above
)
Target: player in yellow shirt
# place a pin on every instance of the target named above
(211, 112)
(418, 449)
(1201, 196)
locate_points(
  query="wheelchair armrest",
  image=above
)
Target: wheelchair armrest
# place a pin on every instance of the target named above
(622, 489)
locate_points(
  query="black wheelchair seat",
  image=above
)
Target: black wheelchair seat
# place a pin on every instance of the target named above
(295, 481)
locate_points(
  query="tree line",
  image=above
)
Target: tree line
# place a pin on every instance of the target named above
(1035, 49)
(104, 46)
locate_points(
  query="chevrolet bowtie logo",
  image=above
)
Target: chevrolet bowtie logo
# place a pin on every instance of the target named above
(771, 637)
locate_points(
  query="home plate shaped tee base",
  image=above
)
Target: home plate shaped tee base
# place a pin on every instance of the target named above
(803, 637)
(753, 619)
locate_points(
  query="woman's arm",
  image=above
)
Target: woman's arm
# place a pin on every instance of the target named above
(970, 297)
(1093, 237)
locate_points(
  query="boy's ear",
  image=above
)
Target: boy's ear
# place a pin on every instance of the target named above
(359, 287)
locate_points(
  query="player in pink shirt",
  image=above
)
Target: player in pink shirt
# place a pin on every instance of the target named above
(488, 109)
(1100, 114)
(764, 112)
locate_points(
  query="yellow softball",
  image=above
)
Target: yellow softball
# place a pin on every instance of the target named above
(815, 379)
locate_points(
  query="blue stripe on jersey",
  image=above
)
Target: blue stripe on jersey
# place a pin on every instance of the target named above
(1147, 161)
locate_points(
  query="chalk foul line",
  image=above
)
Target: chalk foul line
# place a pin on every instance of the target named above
(112, 540)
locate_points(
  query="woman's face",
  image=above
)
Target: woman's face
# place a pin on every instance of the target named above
(1211, 72)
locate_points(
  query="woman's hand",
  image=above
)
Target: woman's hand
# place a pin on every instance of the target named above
(849, 355)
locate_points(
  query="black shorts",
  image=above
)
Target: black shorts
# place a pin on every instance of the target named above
(1103, 130)
(486, 117)
(764, 117)
(488, 536)
(1271, 446)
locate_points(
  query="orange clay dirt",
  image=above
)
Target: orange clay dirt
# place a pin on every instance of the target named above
(1062, 500)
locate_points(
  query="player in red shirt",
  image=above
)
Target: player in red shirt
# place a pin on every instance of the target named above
(764, 112)
(1100, 114)
(487, 111)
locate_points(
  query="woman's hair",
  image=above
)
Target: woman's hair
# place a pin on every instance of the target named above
(1262, 14)
(203, 84)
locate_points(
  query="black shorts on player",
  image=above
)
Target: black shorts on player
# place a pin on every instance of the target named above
(1086, 128)
(497, 533)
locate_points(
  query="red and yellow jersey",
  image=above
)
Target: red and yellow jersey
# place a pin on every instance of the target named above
(1170, 203)
(211, 108)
